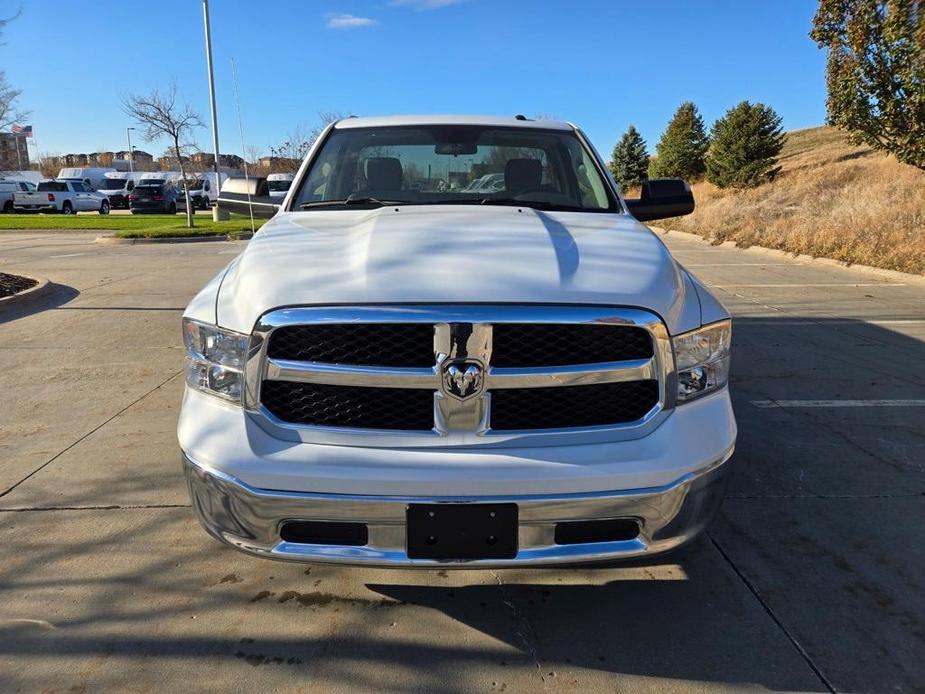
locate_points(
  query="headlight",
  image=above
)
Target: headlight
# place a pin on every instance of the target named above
(214, 359)
(702, 359)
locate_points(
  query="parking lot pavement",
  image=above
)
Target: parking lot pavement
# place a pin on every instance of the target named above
(810, 580)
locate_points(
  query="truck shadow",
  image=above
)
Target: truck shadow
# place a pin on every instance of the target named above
(53, 296)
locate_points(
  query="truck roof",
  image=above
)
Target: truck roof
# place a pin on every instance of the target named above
(494, 121)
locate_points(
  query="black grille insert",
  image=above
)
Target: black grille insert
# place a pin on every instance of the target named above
(367, 344)
(572, 406)
(409, 409)
(539, 344)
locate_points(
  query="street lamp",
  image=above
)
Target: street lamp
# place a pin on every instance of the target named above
(131, 154)
(217, 214)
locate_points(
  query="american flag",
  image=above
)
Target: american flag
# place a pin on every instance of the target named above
(22, 130)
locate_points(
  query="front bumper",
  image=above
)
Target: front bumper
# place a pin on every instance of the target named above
(249, 519)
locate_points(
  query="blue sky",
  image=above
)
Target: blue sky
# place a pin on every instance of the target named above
(601, 64)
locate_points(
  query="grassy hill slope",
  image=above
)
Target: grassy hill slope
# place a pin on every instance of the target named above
(831, 199)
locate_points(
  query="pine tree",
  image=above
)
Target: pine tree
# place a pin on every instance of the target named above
(681, 151)
(630, 163)
(744, 146)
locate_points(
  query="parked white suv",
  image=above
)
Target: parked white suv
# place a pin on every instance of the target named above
(418, 376)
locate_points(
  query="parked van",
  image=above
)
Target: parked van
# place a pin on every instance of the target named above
(92, 177)
(204, 189)
(30, 176)
(117, 185)
(279, 184)
(161, 176)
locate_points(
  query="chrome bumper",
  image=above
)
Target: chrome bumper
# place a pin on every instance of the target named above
(249, 519)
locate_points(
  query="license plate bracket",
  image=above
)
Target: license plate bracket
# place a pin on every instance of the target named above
(462, 532)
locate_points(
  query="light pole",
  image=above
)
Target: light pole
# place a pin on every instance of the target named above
(131, 154)
(216, 213)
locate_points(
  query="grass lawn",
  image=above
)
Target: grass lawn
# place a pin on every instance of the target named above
(130, 226)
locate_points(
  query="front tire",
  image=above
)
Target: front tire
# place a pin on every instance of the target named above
(8, 207)
(104, 207)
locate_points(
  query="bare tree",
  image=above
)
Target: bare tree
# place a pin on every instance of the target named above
(9, 112)
(161, 116)
(293, 149)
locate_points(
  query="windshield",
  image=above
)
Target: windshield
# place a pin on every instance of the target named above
(194, 184)
(52, 186)
(277, 186)
(113, 184)
(152, 182)
(433, 165)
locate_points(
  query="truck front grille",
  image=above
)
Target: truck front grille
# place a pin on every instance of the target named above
(404, 409)
(572, 406)
(538, 344)
(404, 369)
(383, 344)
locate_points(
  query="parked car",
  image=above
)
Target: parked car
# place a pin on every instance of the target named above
(8, 187)
(66, 197)
(279, 184)
(92, 176)
(151, 197)
(117, 186)
(401, 377)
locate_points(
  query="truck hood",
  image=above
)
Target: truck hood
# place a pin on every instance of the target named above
(454, 254)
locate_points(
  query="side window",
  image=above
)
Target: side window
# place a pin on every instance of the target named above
(131, 186)
(23, 186)
(207, 186)
(78, 187)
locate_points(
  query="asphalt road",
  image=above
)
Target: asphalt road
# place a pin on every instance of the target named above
(812, 579)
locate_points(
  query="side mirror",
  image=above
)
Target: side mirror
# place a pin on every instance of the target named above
(662, 198)
(243, 195)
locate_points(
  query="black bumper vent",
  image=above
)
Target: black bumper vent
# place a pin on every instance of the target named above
(572, 406)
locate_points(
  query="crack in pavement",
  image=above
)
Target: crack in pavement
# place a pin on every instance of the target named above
(90, 433)
(109, 507)
(524, 630)
(767, 608)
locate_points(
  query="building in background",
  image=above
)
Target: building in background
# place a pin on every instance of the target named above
(14, 152)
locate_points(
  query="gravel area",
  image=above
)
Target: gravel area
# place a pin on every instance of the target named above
(13, 284)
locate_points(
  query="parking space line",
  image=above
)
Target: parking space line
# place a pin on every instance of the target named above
(764, 404)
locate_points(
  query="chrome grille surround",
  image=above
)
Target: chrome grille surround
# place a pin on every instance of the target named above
(460, 332)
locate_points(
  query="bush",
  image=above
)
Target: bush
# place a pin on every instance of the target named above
(682, 150)
(630, 164)
(745, 144)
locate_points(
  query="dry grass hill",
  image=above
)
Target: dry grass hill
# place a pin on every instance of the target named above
(831, 199)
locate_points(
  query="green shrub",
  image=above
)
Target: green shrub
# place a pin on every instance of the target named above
(744, 147)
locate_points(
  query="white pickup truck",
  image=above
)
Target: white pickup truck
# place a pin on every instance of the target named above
(398, 372)
(66, 197)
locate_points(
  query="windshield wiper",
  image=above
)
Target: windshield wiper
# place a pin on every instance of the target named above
(536, 204)
(351, 200)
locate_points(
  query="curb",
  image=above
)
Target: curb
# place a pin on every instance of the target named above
(29, 295)
(777, 253)
(115, 241)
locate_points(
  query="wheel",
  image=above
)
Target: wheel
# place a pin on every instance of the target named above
(172, 209)
(206, 203)
(8, 206)
(104, 207)
(67, 208)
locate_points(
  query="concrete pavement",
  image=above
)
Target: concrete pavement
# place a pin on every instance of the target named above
(811, 579)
